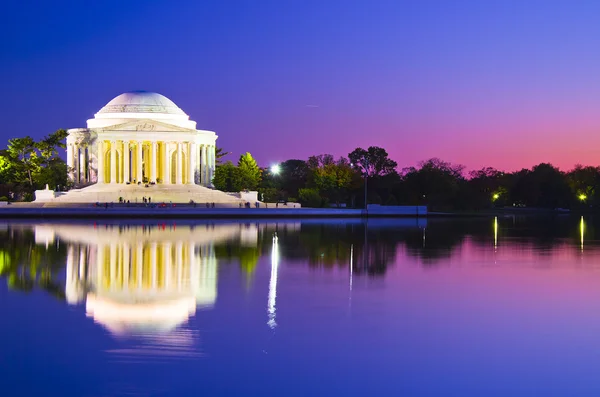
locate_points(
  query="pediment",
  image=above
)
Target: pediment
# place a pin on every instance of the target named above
(146, 125)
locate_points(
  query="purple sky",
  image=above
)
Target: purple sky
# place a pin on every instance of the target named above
(495, 83)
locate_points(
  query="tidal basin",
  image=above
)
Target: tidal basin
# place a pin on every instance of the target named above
(441, 307)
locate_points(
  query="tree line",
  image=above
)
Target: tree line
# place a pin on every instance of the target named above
(323, 180)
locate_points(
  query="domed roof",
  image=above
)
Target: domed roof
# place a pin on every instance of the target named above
(142, 102)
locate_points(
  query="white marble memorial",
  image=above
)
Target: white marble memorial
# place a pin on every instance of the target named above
(140, 144)
(141, 137)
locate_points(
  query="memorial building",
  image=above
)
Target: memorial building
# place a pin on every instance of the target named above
(140, 146)
(141, 137)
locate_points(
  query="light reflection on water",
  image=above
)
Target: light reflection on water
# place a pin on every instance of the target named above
(289, 298)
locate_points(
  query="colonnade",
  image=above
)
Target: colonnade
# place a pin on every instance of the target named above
(142, 268)
(135, 161)
(78, 158)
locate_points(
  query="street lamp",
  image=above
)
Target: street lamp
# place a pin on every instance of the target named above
(275, 169)
(363, 168)
(582, 197)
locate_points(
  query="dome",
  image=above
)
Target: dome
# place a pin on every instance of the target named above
(141, 102)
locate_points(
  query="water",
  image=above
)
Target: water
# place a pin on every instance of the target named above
(476, 307)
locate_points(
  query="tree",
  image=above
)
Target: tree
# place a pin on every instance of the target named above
(545, 186)
(373, 162)
(29, 164)
(248, 171)
(219, 154)
(227, 178)
(22, 153)
(7, 168)
(488, 186)
(49, 145)
(310, 197)
(435, 182)
(331, 178)
(53, 170)
(293, 176)
(585, 184)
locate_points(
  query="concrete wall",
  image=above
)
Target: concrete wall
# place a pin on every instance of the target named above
(250, 196)
(416, 210)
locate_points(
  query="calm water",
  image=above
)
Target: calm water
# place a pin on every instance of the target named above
(484, 307)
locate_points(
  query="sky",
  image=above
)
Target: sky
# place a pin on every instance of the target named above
(506, 84)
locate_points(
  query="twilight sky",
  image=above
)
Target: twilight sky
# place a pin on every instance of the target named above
(507, 84)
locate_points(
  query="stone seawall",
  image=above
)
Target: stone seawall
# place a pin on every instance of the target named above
(119, 211)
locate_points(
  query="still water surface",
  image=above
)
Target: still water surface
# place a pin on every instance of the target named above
(483, 307)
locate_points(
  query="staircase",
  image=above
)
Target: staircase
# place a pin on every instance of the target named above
(135, 193)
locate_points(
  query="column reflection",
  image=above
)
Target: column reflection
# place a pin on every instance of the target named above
(140, 280)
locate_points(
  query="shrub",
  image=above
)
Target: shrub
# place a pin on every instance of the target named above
(28, 197)
(310, 198)
(269, 195)
(3, 198)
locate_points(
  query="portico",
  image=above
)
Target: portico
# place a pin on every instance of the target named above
(144, 161)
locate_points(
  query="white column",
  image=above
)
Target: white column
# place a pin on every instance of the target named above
(164, 168)
(204, 167)
(154, 268)
(100, 262)
(139, 264)
(126, 266)
(139, 177)
(113, 161)
(167, 258)
(82, 262)
(71, 280)
(100, 158)
(191, 162)
(76, 165)
(168, 178)
(126, 161)
(82, 174)
(179, 173)
(71, 160)
(154, 159)
(179, 263)
(113, 265)
(211, 167)
(197, 170)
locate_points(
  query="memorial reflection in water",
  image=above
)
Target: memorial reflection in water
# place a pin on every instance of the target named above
(140, 278)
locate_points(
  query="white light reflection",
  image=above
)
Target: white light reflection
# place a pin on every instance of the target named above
(495, 233)
(273, 283)
(582, 231)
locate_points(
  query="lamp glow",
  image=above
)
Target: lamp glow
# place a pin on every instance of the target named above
(582, 197)
(275, 169)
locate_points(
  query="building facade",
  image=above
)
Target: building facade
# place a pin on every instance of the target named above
(141, 138)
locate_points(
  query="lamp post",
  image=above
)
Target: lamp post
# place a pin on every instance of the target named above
(366, 167)
(363, 169)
